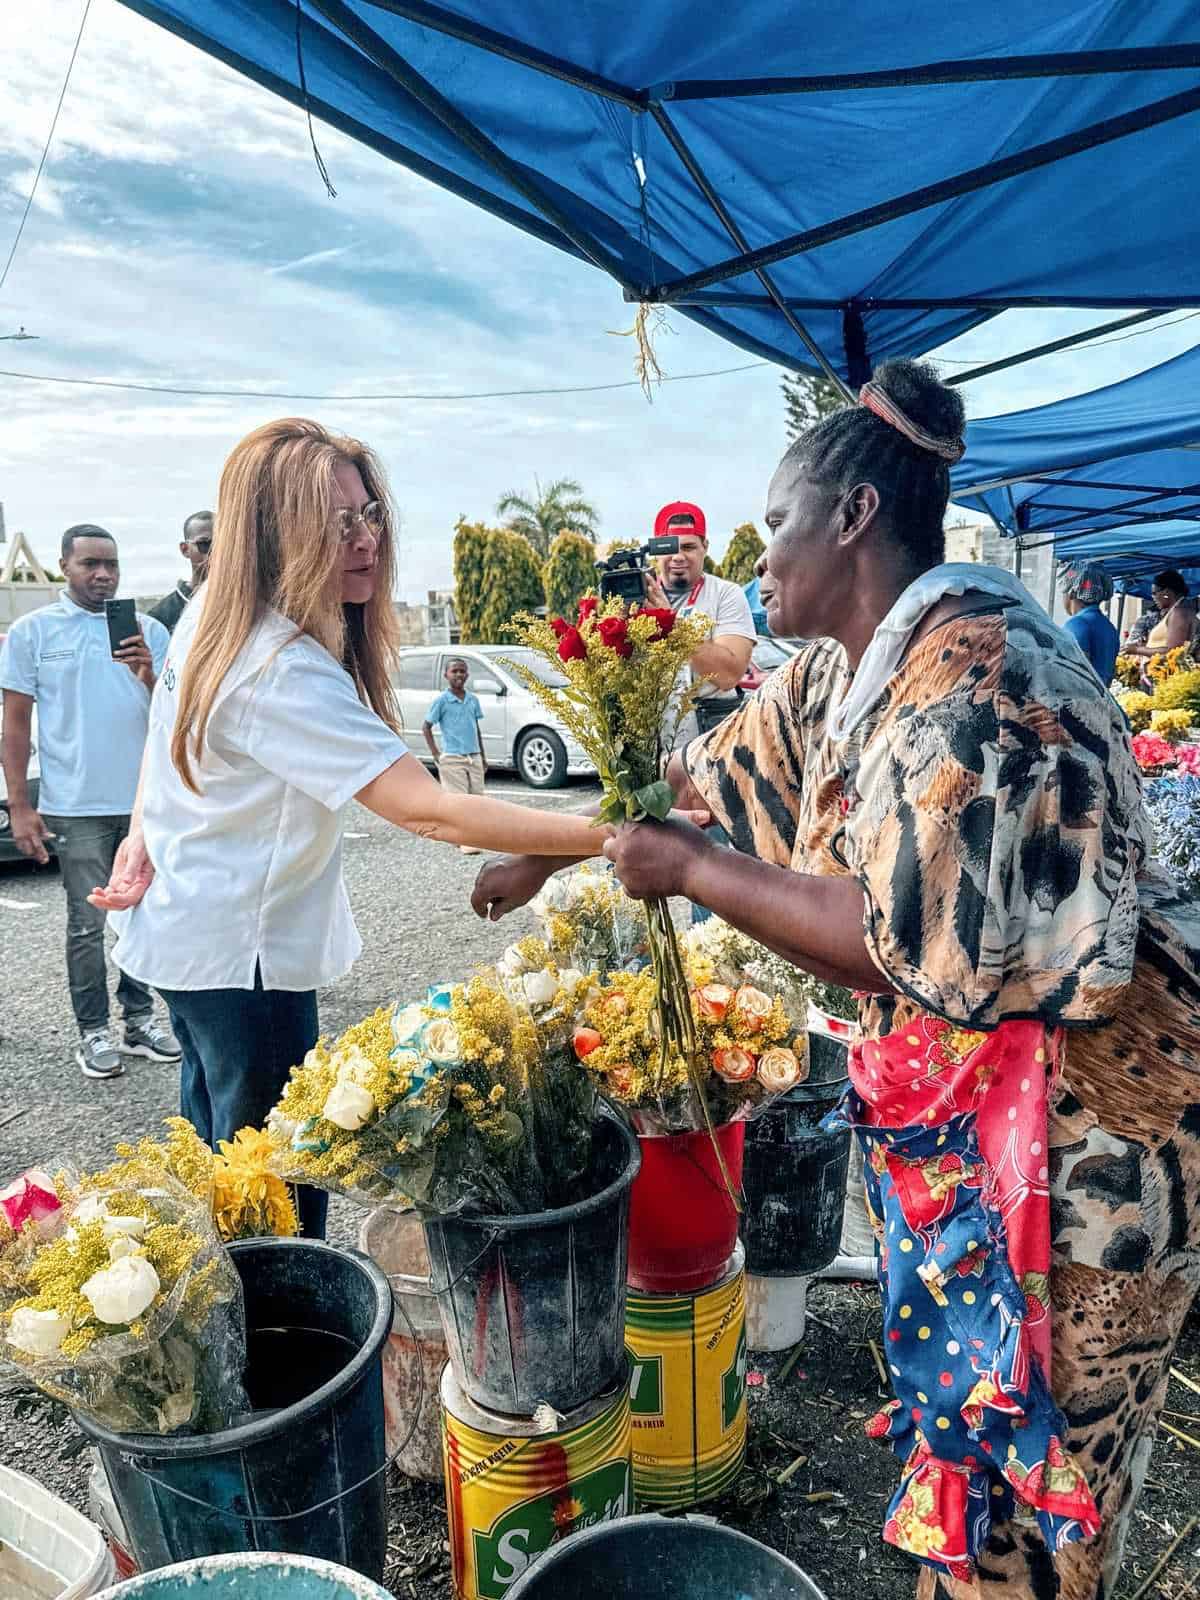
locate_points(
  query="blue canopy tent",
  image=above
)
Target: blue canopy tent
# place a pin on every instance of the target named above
(823, 188)
(1117, 457)
(1133, 555)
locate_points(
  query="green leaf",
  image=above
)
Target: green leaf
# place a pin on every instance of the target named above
(656, 799)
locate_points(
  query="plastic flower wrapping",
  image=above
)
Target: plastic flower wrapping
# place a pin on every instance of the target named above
(118, 1299)
(457, 1103)
(1173, 806)
(628, 687)
(590, 923)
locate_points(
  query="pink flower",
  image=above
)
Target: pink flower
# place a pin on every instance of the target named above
(30, 1198)
(1187, 757)
(1151, 751)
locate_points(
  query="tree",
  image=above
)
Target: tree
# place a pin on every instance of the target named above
(808, 399)
(470, 552)
(512, 582)
(548, 512)
(570, 571)
(711, 567)
(744, 550)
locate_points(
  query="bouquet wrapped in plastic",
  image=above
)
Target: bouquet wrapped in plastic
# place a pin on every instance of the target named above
(748, 1050)
(118, 1299)
(590, 923)
(435, 1105)
(717, 952)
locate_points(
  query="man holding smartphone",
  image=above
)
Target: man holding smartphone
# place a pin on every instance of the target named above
(89, 664)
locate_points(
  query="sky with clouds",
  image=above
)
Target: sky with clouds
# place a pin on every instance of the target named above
(181, 235)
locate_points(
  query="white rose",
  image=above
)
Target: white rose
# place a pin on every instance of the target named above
(38, 1333)
(124, 1228)
(570, 978)
(349, 1105)
(90, 1209)
(558, 894)
(120, 1293)
(121, 1246)
(281, 1128)
(539, 988)
(407, 1024)
(512, 963)
(439, 1042)
(354, 1065)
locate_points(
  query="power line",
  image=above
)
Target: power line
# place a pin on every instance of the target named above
(37, 177)
(343, 399)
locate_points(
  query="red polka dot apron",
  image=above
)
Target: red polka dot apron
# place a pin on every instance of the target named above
(953, 1128)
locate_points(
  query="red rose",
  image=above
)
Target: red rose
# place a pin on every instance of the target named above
(560, 627)
(587, 607)
(614, 632)
(571, 646)
(665, 618)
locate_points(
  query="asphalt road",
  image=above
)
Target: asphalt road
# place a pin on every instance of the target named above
(410, 899)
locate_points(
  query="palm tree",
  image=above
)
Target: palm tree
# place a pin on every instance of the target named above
(547, 512)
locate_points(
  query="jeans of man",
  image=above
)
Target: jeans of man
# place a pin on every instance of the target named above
(86, 848)
(238, 1047)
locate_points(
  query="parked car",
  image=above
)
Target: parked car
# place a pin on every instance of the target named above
(8, 850)
(768, 653)
(518, 732)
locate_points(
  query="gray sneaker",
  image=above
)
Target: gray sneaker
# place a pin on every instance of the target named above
(146, 1036)
(98, 1056)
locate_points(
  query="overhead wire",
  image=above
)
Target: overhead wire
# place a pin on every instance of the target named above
(37, 177)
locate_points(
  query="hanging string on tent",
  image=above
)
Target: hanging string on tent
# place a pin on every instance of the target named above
(317, 156)
(650, 322)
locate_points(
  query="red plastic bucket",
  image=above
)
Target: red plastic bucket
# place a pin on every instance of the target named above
(682, 1223)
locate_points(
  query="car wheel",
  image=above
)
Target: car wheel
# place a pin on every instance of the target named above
(542, 759)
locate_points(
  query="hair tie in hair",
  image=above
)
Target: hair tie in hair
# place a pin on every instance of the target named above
(885, 408)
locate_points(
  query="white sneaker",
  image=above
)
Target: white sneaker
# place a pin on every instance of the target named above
(98, 1056)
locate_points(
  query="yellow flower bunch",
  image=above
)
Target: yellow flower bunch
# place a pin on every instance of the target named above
(1168, 662)
(1138, 707)
(248, 1199)
(1179, 692)
(1128, 671)
(1172, 725)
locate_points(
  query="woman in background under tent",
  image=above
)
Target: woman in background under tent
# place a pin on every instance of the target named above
(1085, 588)
(935, 804)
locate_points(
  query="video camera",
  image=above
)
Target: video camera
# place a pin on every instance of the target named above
(624, 572)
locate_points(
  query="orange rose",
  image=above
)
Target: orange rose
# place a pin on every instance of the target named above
(620, 1081)
(734, 1065)
(585, 1040)
(712, 1002)
(752, 1005)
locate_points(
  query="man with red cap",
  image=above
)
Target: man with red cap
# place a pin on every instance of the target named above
(684, 586)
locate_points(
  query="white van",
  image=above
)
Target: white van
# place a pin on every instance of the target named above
(518, 732)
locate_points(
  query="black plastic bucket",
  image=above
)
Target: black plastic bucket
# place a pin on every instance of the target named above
(534, 1307)
(794, 1182)
(663, 1558)
(305, 1475)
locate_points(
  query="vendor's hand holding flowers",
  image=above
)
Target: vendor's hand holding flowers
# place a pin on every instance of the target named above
(653, 859)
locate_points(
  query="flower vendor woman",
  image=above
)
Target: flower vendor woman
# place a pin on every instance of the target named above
(275, 709)
(935, 804)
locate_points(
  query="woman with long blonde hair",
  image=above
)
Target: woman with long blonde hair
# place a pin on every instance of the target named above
(274, 709)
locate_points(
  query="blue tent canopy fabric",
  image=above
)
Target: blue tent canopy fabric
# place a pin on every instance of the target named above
(817, 187)
(1133, 555)
(1126, 454)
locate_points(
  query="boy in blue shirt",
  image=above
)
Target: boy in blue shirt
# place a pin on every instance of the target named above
(461, 764)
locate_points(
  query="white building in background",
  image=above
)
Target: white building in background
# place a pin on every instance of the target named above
(982, 541)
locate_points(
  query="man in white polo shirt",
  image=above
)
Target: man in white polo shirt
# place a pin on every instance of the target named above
(92, 716)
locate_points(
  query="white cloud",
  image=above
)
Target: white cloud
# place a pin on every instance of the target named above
(184, 237)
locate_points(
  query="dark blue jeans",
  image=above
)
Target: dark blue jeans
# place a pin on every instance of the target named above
(238, 1047)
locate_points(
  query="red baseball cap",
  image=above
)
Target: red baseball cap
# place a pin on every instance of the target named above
(680, 508)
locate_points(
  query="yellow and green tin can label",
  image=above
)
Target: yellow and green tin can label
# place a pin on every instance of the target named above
(511, 1493)
(687, 1390)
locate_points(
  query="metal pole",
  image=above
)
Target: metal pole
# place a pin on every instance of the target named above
(1049, 349)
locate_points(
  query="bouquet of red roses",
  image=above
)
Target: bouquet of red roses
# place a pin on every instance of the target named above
(627, 689)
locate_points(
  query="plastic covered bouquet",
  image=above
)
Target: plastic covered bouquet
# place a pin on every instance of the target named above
(436, 1104)
(1173, 806)
(590, 923)
(118, 1299)
(748, 1050)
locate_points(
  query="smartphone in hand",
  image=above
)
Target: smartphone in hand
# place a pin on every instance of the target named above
(121, 616)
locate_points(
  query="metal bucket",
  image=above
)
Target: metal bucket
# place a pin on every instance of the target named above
(688, 1389)
(514, 1488)
(415, 1352)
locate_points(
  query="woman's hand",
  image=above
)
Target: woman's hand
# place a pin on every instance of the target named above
(654, 859)
(132, 874)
